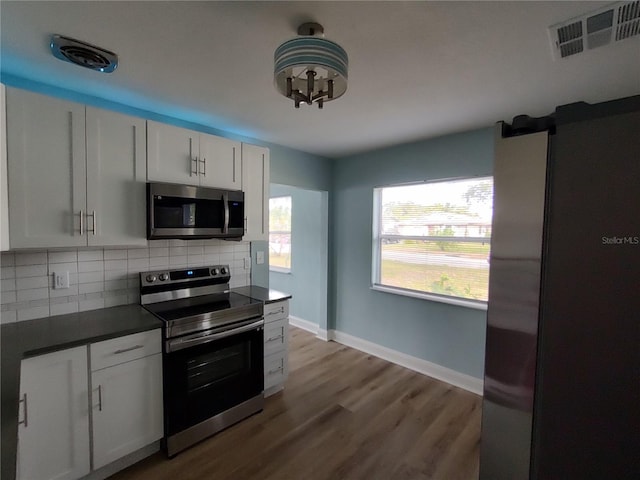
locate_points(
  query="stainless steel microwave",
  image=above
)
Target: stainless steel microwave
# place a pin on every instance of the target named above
(185, 212)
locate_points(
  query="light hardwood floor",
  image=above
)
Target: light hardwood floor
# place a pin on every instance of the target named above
(342, 415)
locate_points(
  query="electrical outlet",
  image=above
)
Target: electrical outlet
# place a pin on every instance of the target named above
(247, 263)
(60, 280)
(259, 258)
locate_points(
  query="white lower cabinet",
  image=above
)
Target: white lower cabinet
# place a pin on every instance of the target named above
(276, 344)
(59, 415)
(53, 430)
(127, 408)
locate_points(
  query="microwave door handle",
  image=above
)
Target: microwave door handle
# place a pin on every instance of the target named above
(225, 201)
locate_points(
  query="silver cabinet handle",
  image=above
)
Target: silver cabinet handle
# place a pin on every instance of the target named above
(263, 194)
(275, 338)
(81, 222)
(192, 159)
(245, 225)
(99, 398)
(275, 312)
(271, 372)
(234, 164)
(24, 400)
(124, 350)
(204, 166)
(93, 218)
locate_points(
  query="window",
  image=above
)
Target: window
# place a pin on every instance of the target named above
(280, 234)
(432, 240)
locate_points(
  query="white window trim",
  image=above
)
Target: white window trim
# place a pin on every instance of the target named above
(434, 297)
(375, 261)
(274, 268)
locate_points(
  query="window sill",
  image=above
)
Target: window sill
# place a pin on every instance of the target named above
(286, 271)
(460, 302)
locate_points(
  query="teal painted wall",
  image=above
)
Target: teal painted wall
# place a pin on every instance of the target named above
(307, 281)
(448, 335)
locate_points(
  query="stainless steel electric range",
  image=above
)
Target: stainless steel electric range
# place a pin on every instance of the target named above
(213, 363)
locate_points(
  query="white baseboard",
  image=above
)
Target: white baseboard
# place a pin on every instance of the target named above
(303, 324)
(457, 379)
(325, 335)
(321, 333)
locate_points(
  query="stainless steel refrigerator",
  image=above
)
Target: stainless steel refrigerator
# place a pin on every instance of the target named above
(562, 369)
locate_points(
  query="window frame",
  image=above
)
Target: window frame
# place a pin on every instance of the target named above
(276, 268)
(377, 237)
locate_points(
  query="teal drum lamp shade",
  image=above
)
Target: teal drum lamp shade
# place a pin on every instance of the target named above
(310, 69)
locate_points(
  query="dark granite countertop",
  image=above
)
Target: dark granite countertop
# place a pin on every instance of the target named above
(36, 337)
(265, 295)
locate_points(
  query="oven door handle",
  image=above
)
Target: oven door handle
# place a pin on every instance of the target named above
(186, 342)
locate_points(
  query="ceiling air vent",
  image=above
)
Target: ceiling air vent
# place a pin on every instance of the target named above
(83, 54)
(595, 29)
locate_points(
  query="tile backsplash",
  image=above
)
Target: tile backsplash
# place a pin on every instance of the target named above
(102, 277)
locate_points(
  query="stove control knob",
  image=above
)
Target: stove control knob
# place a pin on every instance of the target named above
(214, 271)
(223, 271)
(151, 278)
(163, 277)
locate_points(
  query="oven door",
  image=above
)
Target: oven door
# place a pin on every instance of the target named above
(205, 377)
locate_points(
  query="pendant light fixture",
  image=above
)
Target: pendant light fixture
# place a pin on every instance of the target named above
(310, 68)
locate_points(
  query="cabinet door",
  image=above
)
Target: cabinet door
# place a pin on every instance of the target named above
(46, 163)
(219, 164)
(4, 199)
(172, 154)
(116, 176)
(53, 437)
(255, 184)
(127, 408)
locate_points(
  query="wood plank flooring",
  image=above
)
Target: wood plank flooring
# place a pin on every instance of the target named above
(342, 415)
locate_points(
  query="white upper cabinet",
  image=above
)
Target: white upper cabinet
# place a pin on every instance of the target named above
(219, 162)
(172, 154)
(186, 157)
(255, 184)
(4, 197)
(76, 174)
(116, 178)
(47, 170)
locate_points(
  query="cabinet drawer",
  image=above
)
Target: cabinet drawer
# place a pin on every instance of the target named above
(275, 337)
(275, 369)
(124, 349)
(276, 311)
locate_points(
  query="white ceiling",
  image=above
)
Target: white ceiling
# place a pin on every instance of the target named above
(416, 69)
